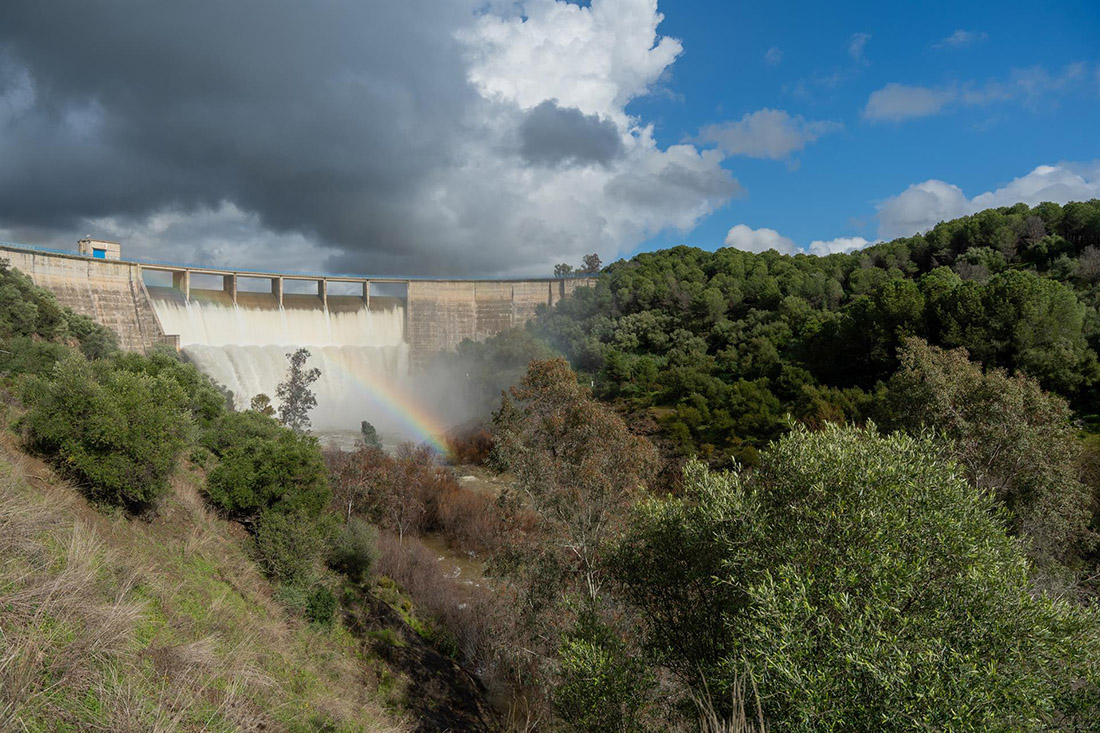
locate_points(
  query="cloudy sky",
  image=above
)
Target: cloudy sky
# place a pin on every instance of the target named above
(461, 137)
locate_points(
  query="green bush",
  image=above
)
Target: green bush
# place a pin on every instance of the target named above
(234, 428)
(33, 312)
(321, 606)
(355, 549)
(25, 355)
(265, 467)
(289, 546)
(117, 433)
(865, 585)
(206, 400)
(600, 685)
(96, 341)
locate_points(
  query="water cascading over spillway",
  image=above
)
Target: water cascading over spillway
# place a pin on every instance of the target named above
(362, 355)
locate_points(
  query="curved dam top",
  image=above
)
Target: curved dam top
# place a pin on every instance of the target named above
(436, 313)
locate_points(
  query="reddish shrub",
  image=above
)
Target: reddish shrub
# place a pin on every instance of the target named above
(412, 493)
(470, 446)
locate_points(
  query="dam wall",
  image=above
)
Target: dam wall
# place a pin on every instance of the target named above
(441, 313)
(109, 291)
(438, 314)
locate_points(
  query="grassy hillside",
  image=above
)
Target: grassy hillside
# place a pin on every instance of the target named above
(163, 624)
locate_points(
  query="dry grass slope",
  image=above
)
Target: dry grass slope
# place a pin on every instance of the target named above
(116, 624)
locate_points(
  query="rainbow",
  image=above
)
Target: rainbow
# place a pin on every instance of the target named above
(424, 426)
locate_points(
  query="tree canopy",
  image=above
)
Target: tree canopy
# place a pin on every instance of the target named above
(718, 348)
(864, 585)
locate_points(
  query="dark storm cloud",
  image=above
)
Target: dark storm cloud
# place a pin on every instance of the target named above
(551, 135)
(337, 135)
(324, 118)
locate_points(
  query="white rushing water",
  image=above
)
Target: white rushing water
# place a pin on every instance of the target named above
(362, 355)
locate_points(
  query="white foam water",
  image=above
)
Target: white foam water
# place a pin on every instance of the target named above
(362, 355)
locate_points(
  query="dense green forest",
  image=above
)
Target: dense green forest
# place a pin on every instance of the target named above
(721, 347)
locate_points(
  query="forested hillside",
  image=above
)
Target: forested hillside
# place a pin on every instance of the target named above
(720, 347)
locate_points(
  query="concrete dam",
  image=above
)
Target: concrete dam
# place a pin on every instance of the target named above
(371, 337)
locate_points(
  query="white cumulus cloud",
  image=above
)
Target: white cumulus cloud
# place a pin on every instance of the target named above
(759, 240)
(594, 58)
(900, 101)
(923, 205)
(766, 133)
(840, 244)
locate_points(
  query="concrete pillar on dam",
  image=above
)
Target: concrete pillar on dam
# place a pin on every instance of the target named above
(229, 285)
(181, 281)
(366, 293)
(277, 289)
(322, 292)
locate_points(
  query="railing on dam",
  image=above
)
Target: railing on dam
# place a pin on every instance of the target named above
(248, 272)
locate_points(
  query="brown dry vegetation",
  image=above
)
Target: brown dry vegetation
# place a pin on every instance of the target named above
(470, 445)
(109, 623)
(410, 493)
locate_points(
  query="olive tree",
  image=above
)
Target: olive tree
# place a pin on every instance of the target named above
(863, 584)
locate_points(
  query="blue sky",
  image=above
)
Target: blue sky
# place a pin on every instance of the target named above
(831, 187)
(483, 137)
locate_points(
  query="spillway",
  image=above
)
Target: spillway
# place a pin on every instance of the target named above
(362, 355)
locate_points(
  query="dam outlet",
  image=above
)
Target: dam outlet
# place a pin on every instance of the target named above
(362, 355)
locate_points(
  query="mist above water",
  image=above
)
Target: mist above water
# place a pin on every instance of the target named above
(362, 355)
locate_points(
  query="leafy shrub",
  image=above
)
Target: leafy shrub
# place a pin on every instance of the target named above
(205, 399)
(118, 433)
(200, 456)
(30, 311)
(96, 341)
(471, 445)
(234, 428)
(600, 687)
(289, 546)
(263, 467)
(321, 606)
(24, 355)
(866, 586)
(355, 549)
